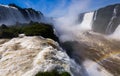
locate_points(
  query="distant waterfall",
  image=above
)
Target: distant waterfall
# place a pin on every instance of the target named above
(95, 15)
(29, 15)
(11, 15)
(110, 24)
(116, 34)
(86, 24)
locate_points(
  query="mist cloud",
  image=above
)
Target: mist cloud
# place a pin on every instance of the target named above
(66, 25)
(66, 16)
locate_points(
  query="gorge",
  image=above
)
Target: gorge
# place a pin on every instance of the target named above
(88, 47)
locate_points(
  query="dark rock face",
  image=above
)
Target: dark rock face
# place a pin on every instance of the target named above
(80, 18)
(107, 19)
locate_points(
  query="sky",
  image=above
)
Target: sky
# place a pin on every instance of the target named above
(56, 8)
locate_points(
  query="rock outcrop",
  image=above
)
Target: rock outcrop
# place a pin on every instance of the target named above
(107, 19)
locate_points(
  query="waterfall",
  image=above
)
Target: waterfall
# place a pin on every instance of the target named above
(116, 34)
(110, 24)
(95, 15)
(11, 15)
(86, 24)
(29, 15)
(33, 15)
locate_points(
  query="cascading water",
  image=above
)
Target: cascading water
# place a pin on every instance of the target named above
(110, 24)
(86, 24)
(29, 15)
(11, 15)
(95, 15)
(116, 34)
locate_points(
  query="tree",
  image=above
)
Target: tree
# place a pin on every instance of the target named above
(3, 26)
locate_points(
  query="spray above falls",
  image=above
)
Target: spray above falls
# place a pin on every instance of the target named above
(104, 20)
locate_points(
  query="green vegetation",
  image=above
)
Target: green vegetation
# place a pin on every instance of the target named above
(31, 29)
(52, 73)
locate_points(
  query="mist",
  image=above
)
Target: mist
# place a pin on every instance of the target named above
(116, 34)
(68, 26)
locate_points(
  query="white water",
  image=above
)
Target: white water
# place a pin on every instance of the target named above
(30, 55)
(116, 34)
(94, 69)
(87, 22)
(67, 29)
(95, 15)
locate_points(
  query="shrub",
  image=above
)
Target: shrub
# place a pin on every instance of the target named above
(52, 73)
(31, 29)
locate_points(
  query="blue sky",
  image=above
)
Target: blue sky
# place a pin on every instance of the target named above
(59, 7)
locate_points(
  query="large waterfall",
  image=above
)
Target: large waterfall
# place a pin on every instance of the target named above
(86, 23)
(110, 24)
(11, 15)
